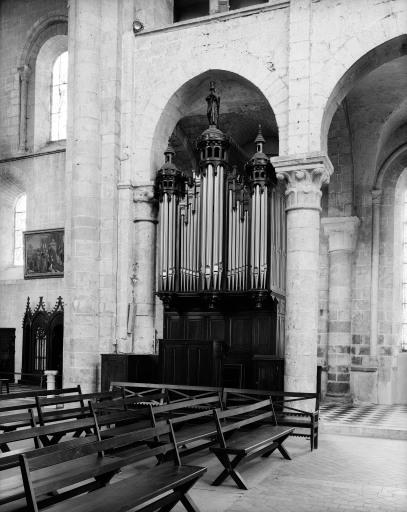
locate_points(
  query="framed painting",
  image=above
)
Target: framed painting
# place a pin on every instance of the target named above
(44, 253)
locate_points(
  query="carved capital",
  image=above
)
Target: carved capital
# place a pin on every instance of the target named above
(342, 233)
(304, 176)
(25, 72)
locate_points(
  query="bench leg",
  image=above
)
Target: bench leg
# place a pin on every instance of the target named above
(4, 448)
(278, 445)
(229, 470)
(283, 451)
(181, 494)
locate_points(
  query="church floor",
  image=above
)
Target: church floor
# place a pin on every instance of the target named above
(386, 421)
(346, 473)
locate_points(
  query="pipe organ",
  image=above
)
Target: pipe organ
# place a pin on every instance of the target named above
(222, 250)
(221, 229)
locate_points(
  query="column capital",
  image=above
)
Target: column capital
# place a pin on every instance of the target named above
(25, 72)
(342, 233)
(304, 176)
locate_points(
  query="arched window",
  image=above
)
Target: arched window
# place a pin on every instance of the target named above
(404, 277)
(59, 87)
(19, 226)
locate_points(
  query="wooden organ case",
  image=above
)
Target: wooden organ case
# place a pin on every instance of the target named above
(222, 261)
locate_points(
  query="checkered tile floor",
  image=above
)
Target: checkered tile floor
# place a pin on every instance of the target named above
(381, 416)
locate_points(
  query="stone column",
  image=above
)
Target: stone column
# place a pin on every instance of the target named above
(342, 236)
(304, 177)
(144, 269)
(25, 72)
(83, 189)
(374, 294)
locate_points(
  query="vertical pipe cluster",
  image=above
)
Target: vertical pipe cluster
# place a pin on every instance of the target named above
(170, 185)
(189, 237)
(238, 232)
(211, 227)
(277, 239)
(260, 179)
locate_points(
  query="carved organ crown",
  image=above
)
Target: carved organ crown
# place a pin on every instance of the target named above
(221, 229)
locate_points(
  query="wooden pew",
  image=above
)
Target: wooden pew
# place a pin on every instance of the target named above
(193, 417)
(63, 408)
(245, 444)
(14, 415)
(165, 485)
(287, 409)
(192, 421)
(27, 439)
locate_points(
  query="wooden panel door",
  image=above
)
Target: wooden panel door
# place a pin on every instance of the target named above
(7, 351)
(174, 326)
(241, 333)
(264, 334)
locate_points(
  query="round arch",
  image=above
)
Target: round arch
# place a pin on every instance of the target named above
(397, 159)
(161, 105)
(374, 57)
(53, 24)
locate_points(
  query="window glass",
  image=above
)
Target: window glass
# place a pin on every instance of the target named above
(19, 227)
(59, 89)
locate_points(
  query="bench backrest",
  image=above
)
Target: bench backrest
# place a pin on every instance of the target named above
(40, 460)
(173, 407)
(29, 398)
(237, 417)
(174, 392)
(38, 433)
(80, 410)
(281, 398)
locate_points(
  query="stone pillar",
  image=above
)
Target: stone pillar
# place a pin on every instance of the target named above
(83, 189)
(304, 177)
(374, 294)
(342, 236)
(144, 269)
(25, 72)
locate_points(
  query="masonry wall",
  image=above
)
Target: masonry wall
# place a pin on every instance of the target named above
(42, 178)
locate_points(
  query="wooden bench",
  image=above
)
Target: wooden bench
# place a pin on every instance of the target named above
(14, 415)
(192, 421)
(27, 439)
(287, 409)
(244, 443)
(45, 476)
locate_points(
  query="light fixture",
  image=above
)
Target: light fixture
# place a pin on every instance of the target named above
(137, 27)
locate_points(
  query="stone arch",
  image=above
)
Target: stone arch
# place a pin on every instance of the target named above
(379, 50)
(162, 101)
(52, 24)
(49, 32)
(398, 158)
(391, 180)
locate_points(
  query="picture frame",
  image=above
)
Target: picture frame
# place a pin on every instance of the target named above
(44, 253)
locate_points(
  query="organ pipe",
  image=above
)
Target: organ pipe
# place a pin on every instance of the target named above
(221, 229)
